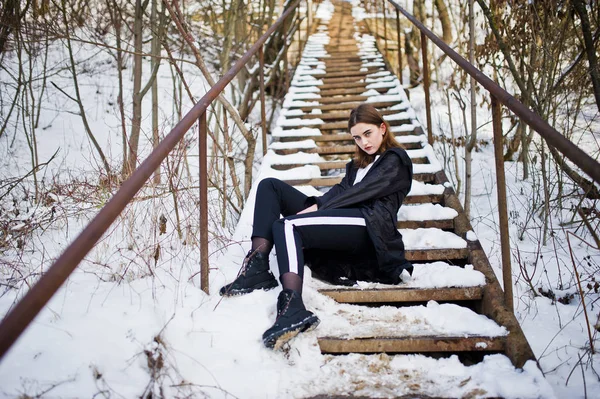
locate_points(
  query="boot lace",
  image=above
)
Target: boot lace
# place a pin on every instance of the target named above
(283, 303)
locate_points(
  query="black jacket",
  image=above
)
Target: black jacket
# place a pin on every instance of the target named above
(378, 196)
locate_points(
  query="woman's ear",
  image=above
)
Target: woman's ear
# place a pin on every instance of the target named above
(382, 126)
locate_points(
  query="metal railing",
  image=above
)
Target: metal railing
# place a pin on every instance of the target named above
(36, 298)
(498, 96)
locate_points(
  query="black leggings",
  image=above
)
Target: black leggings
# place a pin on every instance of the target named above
(335, 229)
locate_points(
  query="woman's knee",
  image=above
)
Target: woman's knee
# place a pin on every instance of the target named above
(269, 183)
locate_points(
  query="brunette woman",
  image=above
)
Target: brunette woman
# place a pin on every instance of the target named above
(355, 221)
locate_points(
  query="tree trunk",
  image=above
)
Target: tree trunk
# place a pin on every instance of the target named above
(445, 20)
(116, 20)
(136, 121)
(580, 9)
(155, 61)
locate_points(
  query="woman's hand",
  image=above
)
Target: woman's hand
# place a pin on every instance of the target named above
(311, 208)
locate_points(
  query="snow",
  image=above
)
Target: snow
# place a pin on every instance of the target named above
(426, 212)
(431, 238)
(420, 188)
(97, 333)
(425, 275)
(304, 131)
(300, 157)
(408, 375)
(445, 320)
(293, 144)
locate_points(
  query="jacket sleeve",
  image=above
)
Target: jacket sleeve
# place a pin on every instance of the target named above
(393, 174)
(335, 190)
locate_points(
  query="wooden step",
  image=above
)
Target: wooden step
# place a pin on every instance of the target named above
(435, 254)
(345, 74)
(352, 68)
(347, 92)
(344, 85)
(443, 224)
(347, 105)
(342, 116)
(342, 63)
(339, 101)
(337, 149)
(331, 181)
(412, 344)
(340, 137)
(403, 295)
(327, 81)
(344, 124)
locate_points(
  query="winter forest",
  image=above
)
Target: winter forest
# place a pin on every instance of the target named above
(89, 89)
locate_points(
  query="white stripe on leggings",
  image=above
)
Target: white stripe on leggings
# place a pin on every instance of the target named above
(290, 243)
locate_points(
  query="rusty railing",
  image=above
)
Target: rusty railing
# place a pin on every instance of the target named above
(499, 96)
(36, 298)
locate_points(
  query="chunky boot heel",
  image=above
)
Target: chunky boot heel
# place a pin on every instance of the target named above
(254, 275)
(292, 319)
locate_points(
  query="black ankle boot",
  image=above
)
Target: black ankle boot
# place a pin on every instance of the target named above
(292, 319)
(254, 275)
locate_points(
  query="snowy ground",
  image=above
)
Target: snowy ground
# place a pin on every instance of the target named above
(126, 324)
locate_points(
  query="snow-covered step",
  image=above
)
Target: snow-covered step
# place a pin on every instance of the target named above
(338, 137)
(328, 181)
(431, 328)
(341, 116)
(280, 148)
(349, 91)
(426, 216)
(438, 281)
(346, 74)
(412, 197)
(345, 104)
(344, 124)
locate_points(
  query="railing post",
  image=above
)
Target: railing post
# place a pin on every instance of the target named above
(502, 208)
(263, 112)
(399, 47)
(203, 169)
(384, 4)
(426, 87)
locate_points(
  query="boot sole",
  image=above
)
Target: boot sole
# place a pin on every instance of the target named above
(266, 286)
(276, 340)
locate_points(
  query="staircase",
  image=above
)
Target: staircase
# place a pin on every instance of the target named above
(453, 304)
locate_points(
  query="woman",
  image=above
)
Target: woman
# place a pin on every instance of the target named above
(355, 221)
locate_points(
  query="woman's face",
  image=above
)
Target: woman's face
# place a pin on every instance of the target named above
(368, 137)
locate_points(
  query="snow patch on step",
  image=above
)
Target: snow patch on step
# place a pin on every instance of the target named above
(283, 122)
(273, 158)
(301, 172)
(425, 275)
(446, 320)
(421, 212)
(304, 131)
(294, 144)
(431, 238)
(420, 188)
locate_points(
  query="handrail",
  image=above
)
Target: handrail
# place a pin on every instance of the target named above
(551, 135)
(36, 298)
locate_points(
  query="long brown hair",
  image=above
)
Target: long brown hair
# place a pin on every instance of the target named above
(366, 113)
